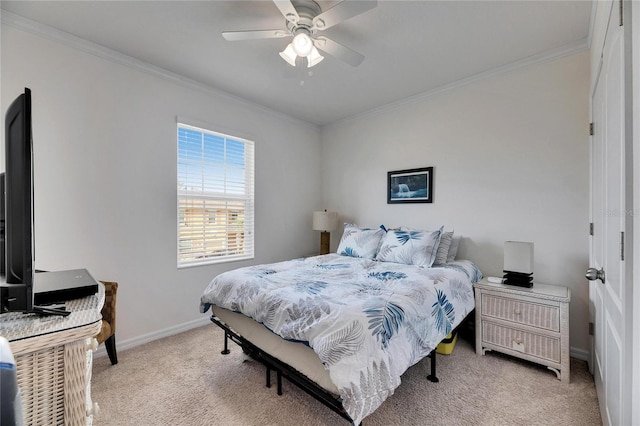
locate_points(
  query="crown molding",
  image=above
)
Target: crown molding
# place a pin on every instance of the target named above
(547, 56)
(592, 23)
(78, 43)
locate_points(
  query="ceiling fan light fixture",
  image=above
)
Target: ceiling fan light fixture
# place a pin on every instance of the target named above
(289, 55)
(302, 44)
(314, 57)
(304, 19)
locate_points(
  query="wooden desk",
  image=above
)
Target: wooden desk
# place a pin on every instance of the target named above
(53, 359)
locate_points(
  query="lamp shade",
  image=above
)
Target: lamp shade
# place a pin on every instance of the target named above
(518, 257)
(302, 44)
(289, 55)
(324, 221)
(314, 58)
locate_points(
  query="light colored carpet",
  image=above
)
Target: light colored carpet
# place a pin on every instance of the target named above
(184, 380)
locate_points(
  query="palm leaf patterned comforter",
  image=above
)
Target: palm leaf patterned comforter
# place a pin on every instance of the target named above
(368, 321)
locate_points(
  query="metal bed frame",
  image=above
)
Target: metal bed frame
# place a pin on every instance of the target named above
(294, 376)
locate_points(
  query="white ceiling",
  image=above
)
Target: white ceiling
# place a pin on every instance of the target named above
(410, 47)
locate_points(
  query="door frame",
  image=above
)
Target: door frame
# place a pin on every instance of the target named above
(632, 14)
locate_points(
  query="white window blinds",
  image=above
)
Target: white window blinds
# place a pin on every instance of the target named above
(215, 197)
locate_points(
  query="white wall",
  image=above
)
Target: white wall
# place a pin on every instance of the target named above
(511, 159)
(104, 138)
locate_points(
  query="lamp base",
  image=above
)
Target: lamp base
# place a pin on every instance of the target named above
(520, 279)
(324, 242)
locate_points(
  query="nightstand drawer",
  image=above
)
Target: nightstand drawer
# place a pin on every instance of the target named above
(540, 346)
(533, 314)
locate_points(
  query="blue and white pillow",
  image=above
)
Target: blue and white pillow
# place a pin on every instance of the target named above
(410, 246)
(360, 242)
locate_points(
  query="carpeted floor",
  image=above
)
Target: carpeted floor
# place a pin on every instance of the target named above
(184, 380)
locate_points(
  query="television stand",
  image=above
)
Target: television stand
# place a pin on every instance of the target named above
(53, 360)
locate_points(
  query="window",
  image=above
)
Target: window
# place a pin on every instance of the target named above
(215, 197)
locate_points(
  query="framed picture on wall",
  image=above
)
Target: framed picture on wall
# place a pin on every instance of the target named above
(410, 186)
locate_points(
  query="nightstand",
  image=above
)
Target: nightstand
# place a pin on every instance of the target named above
(528, 323)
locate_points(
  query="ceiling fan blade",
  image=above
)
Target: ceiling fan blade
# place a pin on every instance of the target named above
(342, 11)
(254, 35)
(338, 51)
(287, 10)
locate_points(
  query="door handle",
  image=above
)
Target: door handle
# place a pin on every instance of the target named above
(593, 274)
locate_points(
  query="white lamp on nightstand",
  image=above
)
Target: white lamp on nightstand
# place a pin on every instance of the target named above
(324, 221)
(518, 263)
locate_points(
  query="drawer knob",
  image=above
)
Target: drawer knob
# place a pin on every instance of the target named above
(518, 345)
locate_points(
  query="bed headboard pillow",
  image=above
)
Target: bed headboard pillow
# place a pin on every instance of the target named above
(443, 248)
(360, 242)
(453, 250)
(410, 246)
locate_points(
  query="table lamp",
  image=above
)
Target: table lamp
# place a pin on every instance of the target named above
(518, 263)
(325, 222)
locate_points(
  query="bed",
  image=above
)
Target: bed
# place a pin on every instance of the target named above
(346, 326)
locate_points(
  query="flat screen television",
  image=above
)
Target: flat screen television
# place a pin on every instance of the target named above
(17, 271)
(17, 290)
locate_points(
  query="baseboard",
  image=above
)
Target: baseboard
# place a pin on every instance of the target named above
(150, 337)
(579, 353)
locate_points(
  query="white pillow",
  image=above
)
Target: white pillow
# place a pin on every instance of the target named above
(443, 248)
(453, 250)
(360, 242)
(410, 246)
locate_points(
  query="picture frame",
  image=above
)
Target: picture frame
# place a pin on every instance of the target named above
(410, 186)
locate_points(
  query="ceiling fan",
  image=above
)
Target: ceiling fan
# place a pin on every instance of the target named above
(304, 20)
